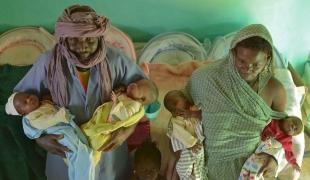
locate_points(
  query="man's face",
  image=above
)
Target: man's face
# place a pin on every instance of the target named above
(83, 47)
(291, 126)
(25, 103)
(249, 62)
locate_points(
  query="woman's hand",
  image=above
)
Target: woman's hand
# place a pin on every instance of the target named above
(269, 166)
(117, 138)
(187, 114)
(50, 143)
(196, 148)
(296, 167)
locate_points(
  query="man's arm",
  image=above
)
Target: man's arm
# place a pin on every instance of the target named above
(118, 137)
(35, 81)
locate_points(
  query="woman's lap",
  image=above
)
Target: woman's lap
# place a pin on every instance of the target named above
(225, 170)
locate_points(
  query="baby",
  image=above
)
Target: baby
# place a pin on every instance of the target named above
(125, 109)
(277, 134)
(185, 132)
(43, 117)
(147, 162)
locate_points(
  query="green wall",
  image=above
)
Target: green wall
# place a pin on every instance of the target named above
(288, 20)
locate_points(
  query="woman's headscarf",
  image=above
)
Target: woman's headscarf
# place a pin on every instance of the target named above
(233, 114)
(253, 30)
(78, 21)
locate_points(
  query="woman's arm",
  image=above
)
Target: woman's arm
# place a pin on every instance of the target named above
(278, 95)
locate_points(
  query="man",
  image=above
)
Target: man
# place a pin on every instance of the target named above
(80, 73)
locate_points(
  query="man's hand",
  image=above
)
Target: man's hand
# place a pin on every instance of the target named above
(113, 97)
(117, 138)
(269, 166)
(49, 143)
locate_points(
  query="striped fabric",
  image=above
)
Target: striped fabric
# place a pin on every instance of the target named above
(190, 165)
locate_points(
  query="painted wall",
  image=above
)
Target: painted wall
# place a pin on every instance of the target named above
(288, 20)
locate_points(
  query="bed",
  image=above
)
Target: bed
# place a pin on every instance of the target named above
(168, 59)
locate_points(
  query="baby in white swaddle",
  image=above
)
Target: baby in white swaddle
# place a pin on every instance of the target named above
(43, 117)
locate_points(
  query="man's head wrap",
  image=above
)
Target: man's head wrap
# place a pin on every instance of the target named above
(78, 21)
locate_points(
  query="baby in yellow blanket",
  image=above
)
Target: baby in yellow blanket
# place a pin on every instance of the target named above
(125, 109)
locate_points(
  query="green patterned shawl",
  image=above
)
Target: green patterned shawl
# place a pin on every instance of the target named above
(233, 114)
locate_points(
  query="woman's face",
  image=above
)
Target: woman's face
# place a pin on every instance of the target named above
(249, 62)
(83, 47)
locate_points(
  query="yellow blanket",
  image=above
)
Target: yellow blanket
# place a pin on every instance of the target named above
(98, 130)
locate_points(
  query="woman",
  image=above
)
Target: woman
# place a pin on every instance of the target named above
(80, 73)
(237, 96)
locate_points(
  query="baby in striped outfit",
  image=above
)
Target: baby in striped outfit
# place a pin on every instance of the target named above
(186, 135)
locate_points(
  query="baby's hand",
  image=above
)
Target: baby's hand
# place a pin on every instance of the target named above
(113, 97)
(296, 167)
(196, 148)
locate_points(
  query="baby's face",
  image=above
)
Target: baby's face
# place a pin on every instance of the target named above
(181, 106)
(291, 126)
(140, 92)
(146, 169)
(25, 103)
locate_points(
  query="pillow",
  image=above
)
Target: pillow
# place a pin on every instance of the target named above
(221, 45)
(172, 48)
(22, 46)
(306, 75)
(294, 95)
(117, 38)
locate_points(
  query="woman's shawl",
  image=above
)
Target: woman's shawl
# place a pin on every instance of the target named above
(233, 115)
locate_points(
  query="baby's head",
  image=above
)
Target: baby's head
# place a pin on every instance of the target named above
(21, 103)
(144, 91)
(175, 101)
(291, 125)
(147, 161)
